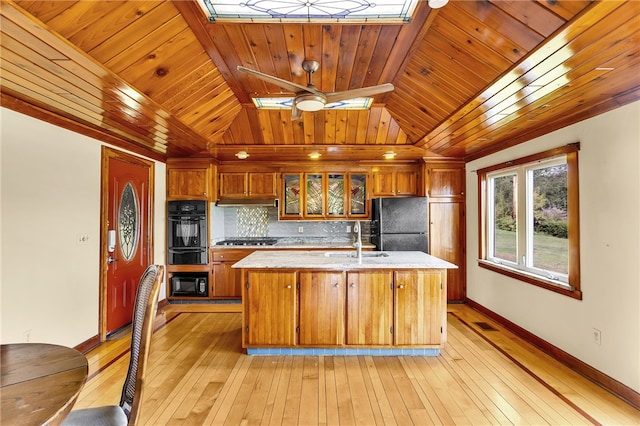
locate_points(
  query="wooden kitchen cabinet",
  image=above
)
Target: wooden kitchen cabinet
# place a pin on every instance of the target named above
(393, 182)
(270, 314)
(445, 180)
(248, 185)
(324, 195)
(321, 317)
(369, 308)
(189, 180)
(418, 316)
(226, 282)
(445, 183)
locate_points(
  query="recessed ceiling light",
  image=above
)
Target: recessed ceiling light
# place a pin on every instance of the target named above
(436, 4)
(242, 155)
(389, 155)
(314, 155)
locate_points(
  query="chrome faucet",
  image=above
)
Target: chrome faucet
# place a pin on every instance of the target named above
(358, 243)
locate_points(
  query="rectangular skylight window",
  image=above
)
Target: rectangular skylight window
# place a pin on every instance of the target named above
(285, 103)
(343, 11)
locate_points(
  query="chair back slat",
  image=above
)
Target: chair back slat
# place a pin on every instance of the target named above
(141, 331)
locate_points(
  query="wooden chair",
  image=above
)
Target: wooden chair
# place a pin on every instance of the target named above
(141, 331)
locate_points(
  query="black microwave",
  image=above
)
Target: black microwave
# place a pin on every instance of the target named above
(190, 284)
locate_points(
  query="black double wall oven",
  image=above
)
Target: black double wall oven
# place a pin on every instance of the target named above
(187, 238)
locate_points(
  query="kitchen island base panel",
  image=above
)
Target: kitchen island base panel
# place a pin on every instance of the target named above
(345, 351)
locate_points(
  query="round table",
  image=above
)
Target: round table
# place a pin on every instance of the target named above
(39, 382)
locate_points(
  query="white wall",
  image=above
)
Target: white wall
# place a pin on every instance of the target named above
(609, 164)
(50, 194)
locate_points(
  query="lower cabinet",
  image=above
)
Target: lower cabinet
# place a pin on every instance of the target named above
(419, 307)
(227, 281)
(270, 308)
(369, 308)
(321, 308)
(336, 308)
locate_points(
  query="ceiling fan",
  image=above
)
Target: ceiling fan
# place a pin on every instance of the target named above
(309, 98)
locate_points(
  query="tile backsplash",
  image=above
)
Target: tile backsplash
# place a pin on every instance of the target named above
(231, 222)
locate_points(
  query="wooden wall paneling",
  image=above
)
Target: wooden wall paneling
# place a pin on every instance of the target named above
(347, 56)
(331, 35)
(363, 125)
(537, 17)
(374, 122)
(313, 49)
(366, 46)
(308, 126)
(150, 25)
(287, 126)
(387, 40)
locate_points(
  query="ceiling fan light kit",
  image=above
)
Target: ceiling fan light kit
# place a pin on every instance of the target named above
(310, 102)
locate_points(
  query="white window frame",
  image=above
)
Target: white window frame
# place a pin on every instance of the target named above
(523, 269)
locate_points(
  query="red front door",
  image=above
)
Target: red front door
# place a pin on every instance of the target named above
(127, 251)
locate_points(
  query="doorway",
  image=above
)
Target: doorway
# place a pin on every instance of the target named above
(126, 230)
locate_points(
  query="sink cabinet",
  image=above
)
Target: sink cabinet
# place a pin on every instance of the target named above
(270, 308)
(369, 308)
(321, 308)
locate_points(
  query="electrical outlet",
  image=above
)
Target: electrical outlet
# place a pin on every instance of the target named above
(597, 336)
(82, 239)
(300, 229)
(348, 228)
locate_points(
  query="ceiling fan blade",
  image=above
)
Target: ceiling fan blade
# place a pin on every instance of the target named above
(296, 114)
(288, 85)
(358, 93)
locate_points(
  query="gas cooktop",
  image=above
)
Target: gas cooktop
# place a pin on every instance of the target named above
(248, 242)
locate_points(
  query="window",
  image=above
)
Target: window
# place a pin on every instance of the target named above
(529, 224)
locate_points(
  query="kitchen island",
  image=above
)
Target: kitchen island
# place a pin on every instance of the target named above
(333, 303)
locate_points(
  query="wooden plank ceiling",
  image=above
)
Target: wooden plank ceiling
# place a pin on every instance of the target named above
(470, 78)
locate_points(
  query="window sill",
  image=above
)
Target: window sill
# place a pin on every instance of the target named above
(531, 279)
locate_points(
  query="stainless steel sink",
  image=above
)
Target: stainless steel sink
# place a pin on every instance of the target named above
(353, 254)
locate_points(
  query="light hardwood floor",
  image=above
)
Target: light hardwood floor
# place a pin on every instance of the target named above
(198, 375)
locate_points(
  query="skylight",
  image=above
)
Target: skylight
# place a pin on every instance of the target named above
(344, 11)
(285, 103)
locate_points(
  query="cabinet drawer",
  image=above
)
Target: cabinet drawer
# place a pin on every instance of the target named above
(230, 255)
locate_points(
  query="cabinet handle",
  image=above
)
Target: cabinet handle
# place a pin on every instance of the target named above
(353, 285)
(401, 286)
(336, 285)
(288, 286)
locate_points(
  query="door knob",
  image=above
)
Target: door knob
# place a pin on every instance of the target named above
(110, 260)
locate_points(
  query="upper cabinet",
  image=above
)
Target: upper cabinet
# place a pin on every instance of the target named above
(190, 179)
(248, 184)
(445, 180)
(394, 181)
(324, 195)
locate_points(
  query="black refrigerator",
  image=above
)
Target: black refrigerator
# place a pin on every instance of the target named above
(400, 224)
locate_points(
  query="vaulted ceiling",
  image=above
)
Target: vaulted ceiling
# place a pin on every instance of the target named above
(470, 78)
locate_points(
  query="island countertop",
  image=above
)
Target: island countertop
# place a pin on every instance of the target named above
(341, 260)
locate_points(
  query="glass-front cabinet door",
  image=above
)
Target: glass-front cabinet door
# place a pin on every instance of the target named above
(335, 194)
(314, 195)
(357, 195)
(292, 195)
